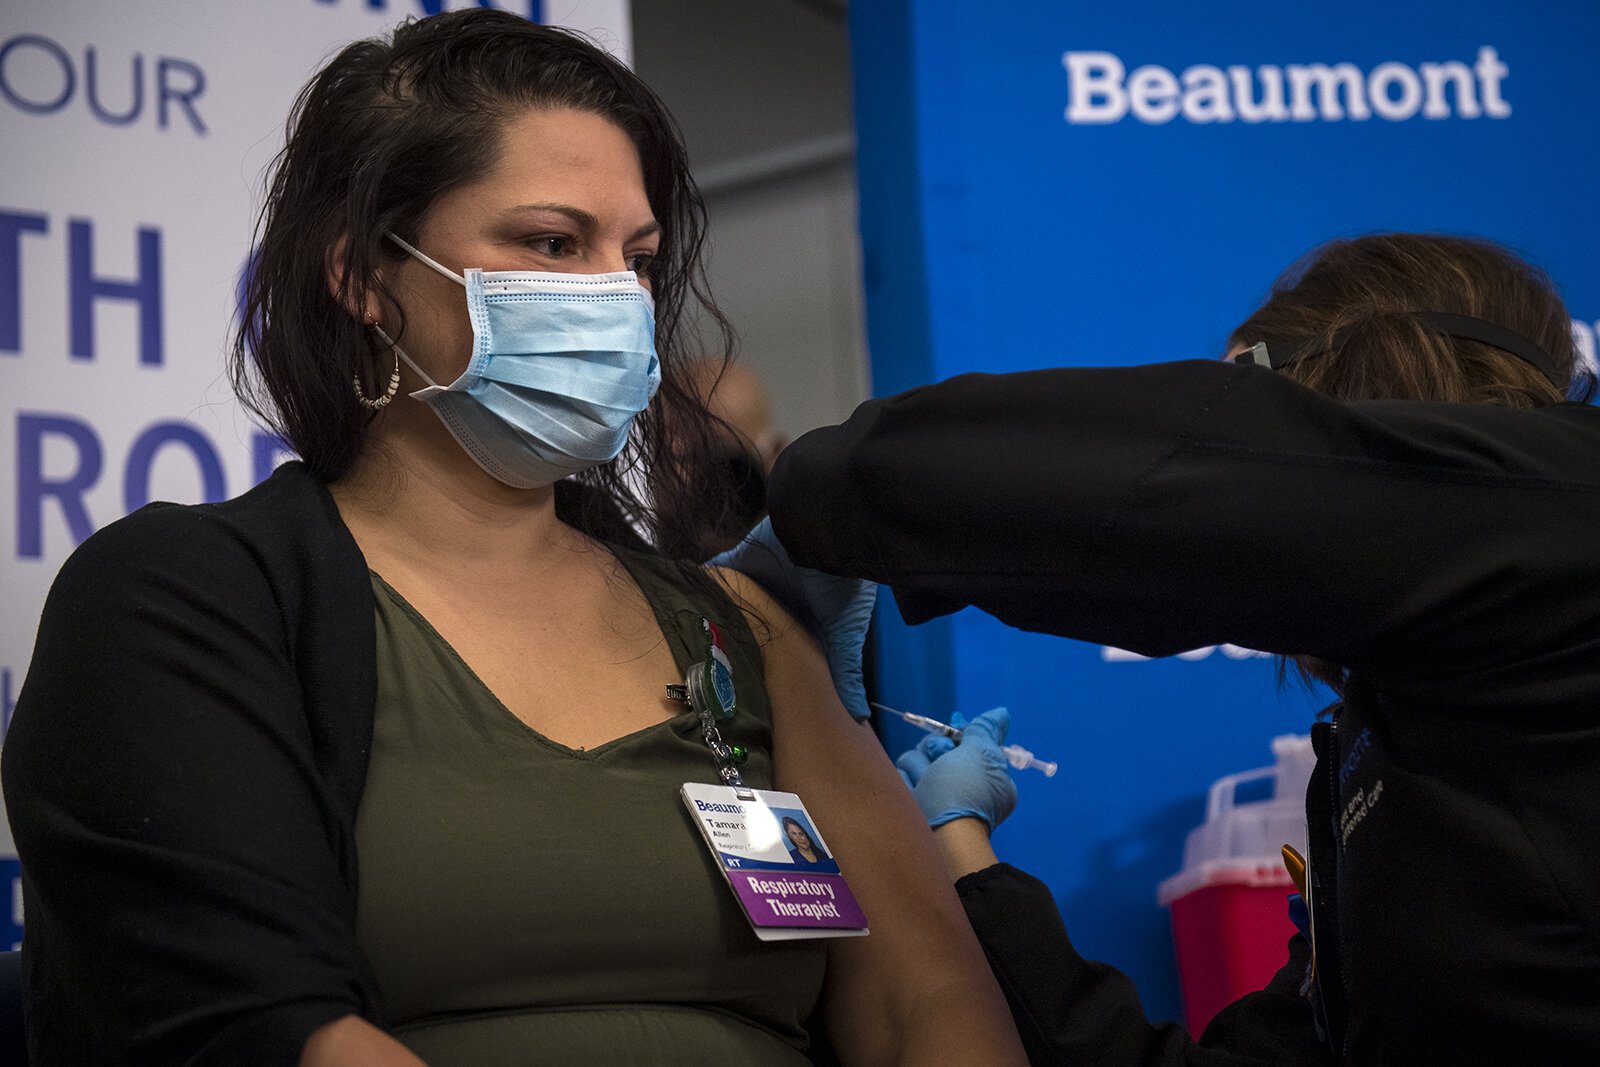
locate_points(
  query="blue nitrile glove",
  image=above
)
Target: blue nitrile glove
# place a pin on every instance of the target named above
(835, 610)
(953, 781)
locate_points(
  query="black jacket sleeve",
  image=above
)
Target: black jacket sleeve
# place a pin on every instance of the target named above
(1166, 507)
(186, 903)
(1070, 1010)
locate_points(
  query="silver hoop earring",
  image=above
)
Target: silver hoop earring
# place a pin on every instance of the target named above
(388, 395)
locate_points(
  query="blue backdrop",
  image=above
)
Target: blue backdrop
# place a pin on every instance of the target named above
(1025, 203)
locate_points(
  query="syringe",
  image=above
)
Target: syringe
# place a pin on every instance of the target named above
(1016, 755)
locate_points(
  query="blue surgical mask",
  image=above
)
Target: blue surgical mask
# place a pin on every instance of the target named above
(561, 364)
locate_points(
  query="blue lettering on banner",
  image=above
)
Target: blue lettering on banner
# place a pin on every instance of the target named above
(39, 77)
(136, 476)
(1101, 91)
(13, 224)
(69, 491)
(91, 71)
(84, 288)
(181, 82)
(8, 701)
(533, 9)
(267, 450)
(241, 295)
(33, 487)
(11, 876)
(63, 64)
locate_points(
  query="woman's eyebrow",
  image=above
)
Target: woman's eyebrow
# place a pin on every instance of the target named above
(585, 220)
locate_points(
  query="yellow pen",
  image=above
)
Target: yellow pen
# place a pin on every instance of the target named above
(1296, 865)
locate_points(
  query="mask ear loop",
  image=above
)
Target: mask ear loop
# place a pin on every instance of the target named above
(399, 354)
(429, 260)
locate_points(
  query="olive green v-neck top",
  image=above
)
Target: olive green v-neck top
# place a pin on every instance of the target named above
(522, 902)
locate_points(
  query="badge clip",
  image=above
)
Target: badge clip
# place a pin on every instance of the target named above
(708, 690)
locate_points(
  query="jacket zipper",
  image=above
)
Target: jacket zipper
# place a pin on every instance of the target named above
(1334, 807)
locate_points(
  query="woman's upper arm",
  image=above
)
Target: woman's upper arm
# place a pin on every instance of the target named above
(917, 989)
(179, 844)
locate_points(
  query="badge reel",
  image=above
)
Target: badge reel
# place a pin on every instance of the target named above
(764, 841)
(708, 690)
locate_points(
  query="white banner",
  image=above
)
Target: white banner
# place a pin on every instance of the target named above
(134, 139)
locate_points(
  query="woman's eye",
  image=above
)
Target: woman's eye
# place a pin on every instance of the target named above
(642, 263)
(553, 245)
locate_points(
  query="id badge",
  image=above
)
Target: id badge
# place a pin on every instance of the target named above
(776, 862)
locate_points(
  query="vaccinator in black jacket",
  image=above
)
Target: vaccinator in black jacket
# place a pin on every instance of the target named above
(1445, 553)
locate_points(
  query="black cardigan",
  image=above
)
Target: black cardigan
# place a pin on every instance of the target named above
(184, 770)
(223, 651)
(1445, 553)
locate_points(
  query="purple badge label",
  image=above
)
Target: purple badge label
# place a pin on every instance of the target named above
(776, 862)
(815, 900)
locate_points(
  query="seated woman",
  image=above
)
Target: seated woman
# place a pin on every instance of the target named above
(374, 762)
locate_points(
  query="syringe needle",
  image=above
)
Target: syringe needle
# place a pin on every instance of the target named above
(1019, 757)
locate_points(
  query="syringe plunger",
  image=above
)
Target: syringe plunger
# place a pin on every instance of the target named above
(1021, 759)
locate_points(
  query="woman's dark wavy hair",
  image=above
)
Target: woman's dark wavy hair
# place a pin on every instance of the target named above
(1357, 300)
(377, 136)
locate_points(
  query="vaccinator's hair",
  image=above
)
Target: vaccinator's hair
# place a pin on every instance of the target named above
(1353, 303)
(385, 128)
